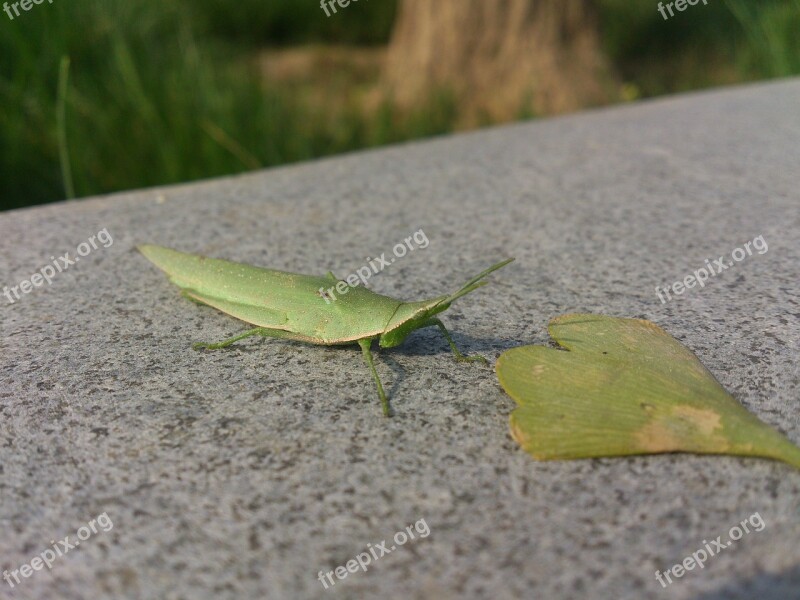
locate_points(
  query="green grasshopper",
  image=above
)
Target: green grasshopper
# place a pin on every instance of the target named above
(296, 307)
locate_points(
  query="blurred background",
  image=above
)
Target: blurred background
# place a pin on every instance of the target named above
(100, 96)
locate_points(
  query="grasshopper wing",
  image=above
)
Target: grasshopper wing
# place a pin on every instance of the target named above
(276, 299)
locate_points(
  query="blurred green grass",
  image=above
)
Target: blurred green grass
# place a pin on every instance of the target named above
(164, 92)
(260, 22)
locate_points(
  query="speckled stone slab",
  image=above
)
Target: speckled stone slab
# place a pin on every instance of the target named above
(245, 472)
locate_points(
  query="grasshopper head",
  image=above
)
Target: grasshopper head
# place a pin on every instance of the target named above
(414, 315)
(409, 317)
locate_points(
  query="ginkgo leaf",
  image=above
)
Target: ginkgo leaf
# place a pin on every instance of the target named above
(621, 387)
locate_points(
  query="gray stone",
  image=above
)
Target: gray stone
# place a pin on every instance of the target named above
(244, 472)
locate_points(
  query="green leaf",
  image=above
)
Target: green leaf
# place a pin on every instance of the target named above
(625, 386)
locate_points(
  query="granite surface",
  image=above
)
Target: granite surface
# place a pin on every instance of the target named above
(243, 473)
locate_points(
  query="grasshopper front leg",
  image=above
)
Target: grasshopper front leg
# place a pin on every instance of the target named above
(459, 356)
(365, 349)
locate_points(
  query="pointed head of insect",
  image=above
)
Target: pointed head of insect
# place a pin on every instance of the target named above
(409, 317)
(414, 315)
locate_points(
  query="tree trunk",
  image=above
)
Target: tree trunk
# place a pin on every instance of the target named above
(499, 58)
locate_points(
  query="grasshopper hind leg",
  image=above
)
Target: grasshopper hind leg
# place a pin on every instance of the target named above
(262, 331)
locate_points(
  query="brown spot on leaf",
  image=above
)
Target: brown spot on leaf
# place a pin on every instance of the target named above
(517, 433)
(655, 437)
(685, 428)
(707, 421)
